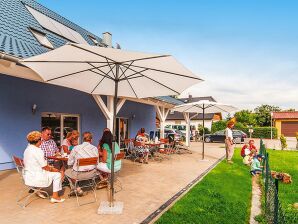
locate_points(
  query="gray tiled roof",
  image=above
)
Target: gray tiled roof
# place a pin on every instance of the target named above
(196, 99)
(179, 116)
(169, 99)
(15, 37)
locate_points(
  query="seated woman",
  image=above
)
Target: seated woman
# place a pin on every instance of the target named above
(67, 143)
(247, 159)
(141, 148)
(247, 148)
(37, 173)
(105, 163)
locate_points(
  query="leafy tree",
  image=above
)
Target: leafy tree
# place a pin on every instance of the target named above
(219, 125)
(246, 117)
(263, 114)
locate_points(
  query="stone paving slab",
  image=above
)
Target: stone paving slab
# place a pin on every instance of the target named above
(145, 188)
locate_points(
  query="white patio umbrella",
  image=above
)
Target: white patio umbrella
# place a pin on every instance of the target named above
(114, 72)
(204, 106)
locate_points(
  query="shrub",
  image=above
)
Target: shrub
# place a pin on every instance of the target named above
(283, 142)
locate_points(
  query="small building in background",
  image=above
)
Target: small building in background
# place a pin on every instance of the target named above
(286, 123)
(176, 120)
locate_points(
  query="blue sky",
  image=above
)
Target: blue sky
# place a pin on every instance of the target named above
(245, 50)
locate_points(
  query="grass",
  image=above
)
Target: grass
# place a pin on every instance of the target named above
(223, 196)
(287, 161)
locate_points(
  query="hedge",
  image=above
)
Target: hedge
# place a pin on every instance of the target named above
(258, 132)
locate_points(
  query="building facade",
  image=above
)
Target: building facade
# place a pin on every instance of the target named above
(286, 123)
(27, 29)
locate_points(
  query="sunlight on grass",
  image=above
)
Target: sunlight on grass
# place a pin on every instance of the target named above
(287, 161)
(223, 196)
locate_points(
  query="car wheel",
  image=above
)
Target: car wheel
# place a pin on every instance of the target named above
(237, 140)
(207, 139)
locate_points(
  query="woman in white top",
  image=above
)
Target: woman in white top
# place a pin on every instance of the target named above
(229, 142)
(37, 173)
(66, 145)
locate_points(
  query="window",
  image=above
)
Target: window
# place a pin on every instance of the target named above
(42, 39)
(58, 122)
(56, 27)
(93, 40)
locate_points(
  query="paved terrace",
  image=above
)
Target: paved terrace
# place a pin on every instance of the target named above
(145, 189)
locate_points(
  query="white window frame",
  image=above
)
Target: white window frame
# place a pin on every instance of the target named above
(45, 42)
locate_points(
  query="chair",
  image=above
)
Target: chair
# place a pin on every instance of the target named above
(119, 156)
(130, 153)
(19, 163)
(90, 182)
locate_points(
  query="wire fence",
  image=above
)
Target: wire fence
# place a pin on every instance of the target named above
(273, 210)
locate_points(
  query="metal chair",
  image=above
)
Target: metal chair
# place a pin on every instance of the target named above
(89, 182)
(30, 190)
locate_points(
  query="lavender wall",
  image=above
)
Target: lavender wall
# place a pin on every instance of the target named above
(139, 115)
(16, 119)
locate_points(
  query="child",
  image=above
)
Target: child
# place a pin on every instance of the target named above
(256, 167)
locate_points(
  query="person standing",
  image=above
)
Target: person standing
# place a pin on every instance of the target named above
(229, 142)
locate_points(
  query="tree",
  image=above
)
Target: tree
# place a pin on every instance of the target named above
(246, 117)
(263, 114)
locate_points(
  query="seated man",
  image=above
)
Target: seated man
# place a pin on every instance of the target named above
(84, 150)
(37, 173)
(256, 165)
(48, 145)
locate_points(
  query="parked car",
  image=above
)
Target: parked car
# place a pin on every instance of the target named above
(175, 134)
(219, 136)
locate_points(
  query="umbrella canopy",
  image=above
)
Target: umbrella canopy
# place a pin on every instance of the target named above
(94, 69)
(114, 72)
(204, 106)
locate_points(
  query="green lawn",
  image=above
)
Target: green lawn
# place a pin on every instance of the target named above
(287, 161)
(223, 196)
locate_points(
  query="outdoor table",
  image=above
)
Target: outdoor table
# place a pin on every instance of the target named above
(58, 158)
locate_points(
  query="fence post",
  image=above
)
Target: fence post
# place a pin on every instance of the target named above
(266, 176)
(276, 205)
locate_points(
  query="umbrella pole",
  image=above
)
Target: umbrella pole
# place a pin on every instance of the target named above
(203, 153)
(112, 191)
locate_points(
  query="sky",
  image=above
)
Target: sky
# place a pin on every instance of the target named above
(245, 50)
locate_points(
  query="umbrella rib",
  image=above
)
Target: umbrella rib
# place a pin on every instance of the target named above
(97, 84)
(111, 68)
(131, 76)
(129, 83)
(154, 80)
(126, 69)
(173, 73)
(80, 62)
(103, 73)
(147, 58)
(92, 52)
(74, 73)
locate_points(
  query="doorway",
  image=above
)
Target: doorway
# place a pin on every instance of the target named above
(122, 132)
(58, 122)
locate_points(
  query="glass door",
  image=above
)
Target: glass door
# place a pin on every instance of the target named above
(69, 122)
(58, 122)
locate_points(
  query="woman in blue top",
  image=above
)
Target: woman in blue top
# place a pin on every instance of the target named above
(105, 163)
